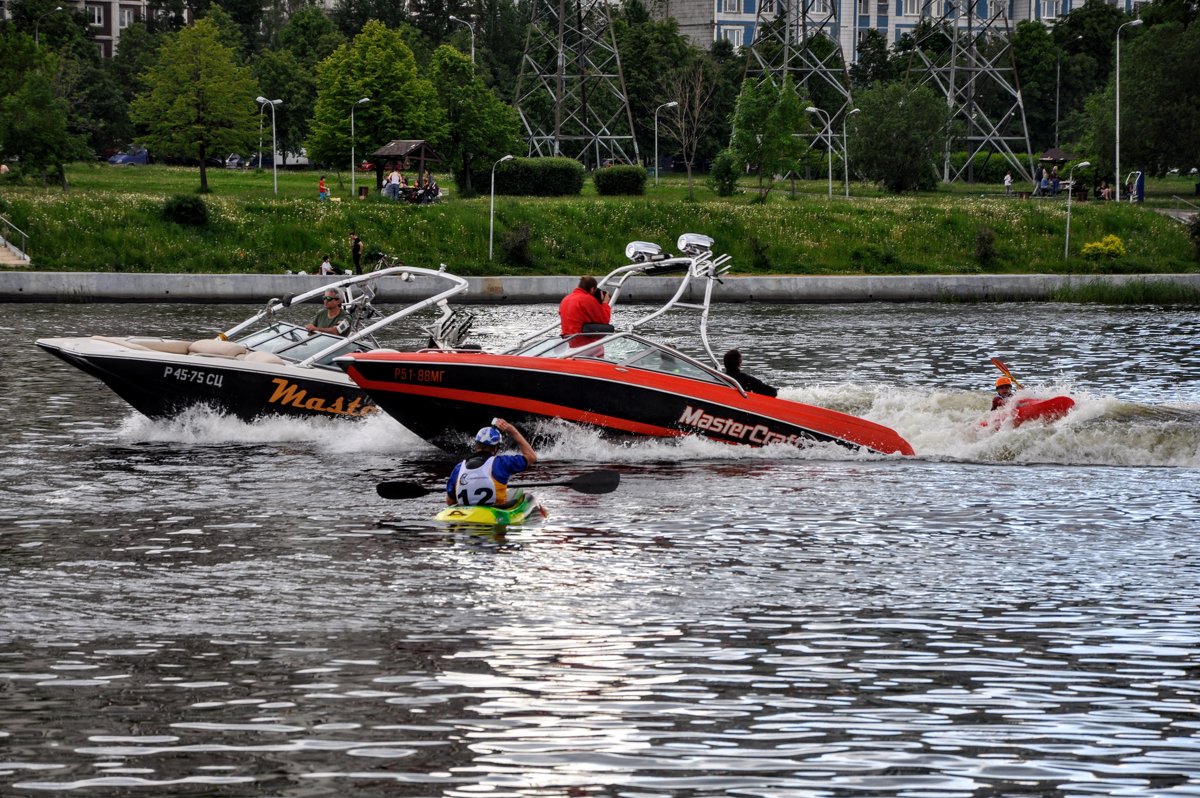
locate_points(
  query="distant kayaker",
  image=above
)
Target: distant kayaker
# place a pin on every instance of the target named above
(483, 477)
(1004, 392)
(587, 304)
(733, 367)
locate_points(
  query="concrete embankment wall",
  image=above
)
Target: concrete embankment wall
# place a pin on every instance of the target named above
(253, 288)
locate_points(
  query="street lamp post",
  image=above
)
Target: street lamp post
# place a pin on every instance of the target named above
(671, 104)
(353, 165)
(492, 212)
(846, 150)
(37, 39)
(263, 101)
(261, 108)
(812, 109)
(1134, 23)
(1070, 191)
(470, 25)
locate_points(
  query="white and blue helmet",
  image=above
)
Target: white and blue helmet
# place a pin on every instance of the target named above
(488, 436)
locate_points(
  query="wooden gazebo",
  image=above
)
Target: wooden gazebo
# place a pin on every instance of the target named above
(401, 151)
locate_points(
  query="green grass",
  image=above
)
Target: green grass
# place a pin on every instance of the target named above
(110, 220)
(1134, 292)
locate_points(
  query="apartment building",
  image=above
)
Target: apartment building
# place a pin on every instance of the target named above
(706, 21)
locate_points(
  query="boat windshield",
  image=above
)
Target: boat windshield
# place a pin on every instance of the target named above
(274, 337)
(626, 350)
(295, 343)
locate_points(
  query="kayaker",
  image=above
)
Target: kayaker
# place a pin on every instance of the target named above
(587, 304)
(331, 319)
(483, 477)
(733, 367)
(1004, 391)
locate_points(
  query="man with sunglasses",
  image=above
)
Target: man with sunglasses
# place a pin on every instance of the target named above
(331, 318)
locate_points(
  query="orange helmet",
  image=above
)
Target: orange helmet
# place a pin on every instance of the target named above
(1004, 381)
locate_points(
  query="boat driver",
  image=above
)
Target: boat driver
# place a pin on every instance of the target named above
(1004, 392)
(483, 477)
(331, 318)
(733, 367)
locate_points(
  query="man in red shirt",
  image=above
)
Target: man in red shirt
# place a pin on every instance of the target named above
(587, 304)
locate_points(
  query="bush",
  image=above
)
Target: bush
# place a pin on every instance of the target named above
(186, 209)
(760, 255)
(536, 177)
(874, 259)
(624, 180)
(515, 246)
(1108, 248)
(1193, 229)
(724, 175)
(985, 245)
(988, 167)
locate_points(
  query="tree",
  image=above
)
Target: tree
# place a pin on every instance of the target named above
(198, 101)
(895, 138)
(692, 85)
(874, 63)
(766, 125)
(281, 76)
(649, 49)
(377, 64)
(482, 128)
(33, 127)
(310, 36)
(1160, 98)
(748, 143)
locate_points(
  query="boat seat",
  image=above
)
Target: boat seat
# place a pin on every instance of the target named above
(211, 346)
(173, 347)
(262, 357)
(126, 342)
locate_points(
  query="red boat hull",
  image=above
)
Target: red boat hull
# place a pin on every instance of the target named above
(444, 397)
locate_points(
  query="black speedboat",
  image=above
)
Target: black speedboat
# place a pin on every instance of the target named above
(616, 380)
(265, 365)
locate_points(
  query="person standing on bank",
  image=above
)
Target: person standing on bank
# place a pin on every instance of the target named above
(356, 250)
(483, 477)
(1008, 184)
(322, 191)
(331, 319)
(733, 367)
(587, 304)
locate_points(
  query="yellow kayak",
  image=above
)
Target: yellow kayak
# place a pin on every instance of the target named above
(492, 516)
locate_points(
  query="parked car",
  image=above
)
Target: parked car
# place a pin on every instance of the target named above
(235, 161)
(134, 157)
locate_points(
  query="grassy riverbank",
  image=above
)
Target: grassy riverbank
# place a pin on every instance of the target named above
(110, 220)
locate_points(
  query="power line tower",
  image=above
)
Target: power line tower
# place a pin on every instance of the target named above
(570, 91)
(967, 57)
(801, 38)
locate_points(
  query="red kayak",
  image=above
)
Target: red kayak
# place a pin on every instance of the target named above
(1046, 410)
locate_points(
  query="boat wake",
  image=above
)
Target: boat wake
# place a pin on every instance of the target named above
(941, 425)
(378, 434)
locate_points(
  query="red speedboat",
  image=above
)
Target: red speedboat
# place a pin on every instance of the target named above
(615, 380)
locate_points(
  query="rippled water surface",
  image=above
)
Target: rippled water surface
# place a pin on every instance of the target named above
(207, 607)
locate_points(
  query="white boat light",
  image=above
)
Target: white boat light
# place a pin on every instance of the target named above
(694, 244)
(642, 251)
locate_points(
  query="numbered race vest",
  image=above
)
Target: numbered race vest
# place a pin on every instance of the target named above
(476, 485)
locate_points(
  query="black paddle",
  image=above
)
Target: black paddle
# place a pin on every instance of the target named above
(592, 482)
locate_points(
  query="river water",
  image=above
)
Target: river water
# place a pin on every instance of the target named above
(208, 607)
